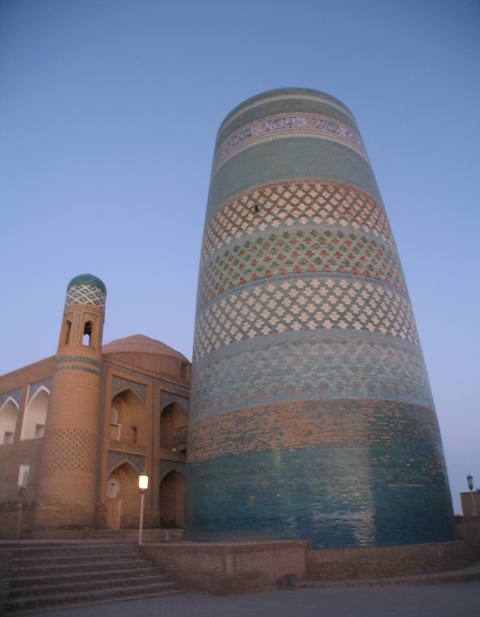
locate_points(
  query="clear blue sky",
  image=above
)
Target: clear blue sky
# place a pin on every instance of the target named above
(108, 114)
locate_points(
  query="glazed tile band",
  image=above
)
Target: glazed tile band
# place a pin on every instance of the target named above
(287, 125)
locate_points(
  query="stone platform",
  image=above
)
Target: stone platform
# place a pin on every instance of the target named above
(240, 567)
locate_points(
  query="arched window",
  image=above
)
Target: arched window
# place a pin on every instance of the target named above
(8, 421)
(113, 487)
(67, 331)
(87, 334)
(35, 416)
(128, 419)
(115, 426)
(172, 428)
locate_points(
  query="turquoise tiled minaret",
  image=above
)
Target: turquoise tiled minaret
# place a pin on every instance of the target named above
(312, 415)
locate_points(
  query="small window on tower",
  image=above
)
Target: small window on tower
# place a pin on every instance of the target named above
(87, 334)
(68, 328)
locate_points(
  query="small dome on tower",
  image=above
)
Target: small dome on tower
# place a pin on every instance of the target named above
(86, 289)
(88, 279)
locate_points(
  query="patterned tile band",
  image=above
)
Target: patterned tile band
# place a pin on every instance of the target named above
(306, 424)
(85, 294)
(391, 493)
(317, 303)
(299, 251)
(316, 98)
(287, 125)
(301, 202)
(291, 367)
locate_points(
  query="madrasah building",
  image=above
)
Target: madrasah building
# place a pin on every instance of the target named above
(77, 429)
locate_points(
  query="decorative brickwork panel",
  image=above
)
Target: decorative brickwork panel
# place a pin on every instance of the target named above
(85, 294)
(299, 251)
(71, 449)
(312, 423)
(291, 368)
(287, 204)
(304, 304)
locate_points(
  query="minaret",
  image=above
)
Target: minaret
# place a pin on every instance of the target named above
(311, 413)
(67, 481)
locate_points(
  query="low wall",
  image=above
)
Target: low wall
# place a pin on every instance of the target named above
(338, 564)
(236, 567)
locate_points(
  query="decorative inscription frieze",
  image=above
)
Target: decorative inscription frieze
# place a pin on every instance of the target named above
(287, 125)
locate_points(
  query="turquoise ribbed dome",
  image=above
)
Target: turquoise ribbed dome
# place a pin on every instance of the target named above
(88, 279)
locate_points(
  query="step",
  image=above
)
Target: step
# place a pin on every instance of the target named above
(73, 587)
(92, 597)
(29, 562)
(91, 566)
(21, 582)
(29, 611)
(58, 551)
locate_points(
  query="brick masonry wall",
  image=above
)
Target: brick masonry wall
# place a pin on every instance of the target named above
(392, 561)
(230, 568)
(311, 412)
(468, 528)
(21, 452)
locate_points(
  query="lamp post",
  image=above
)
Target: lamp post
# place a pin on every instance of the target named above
(470, 488)
(22, 483)
(143, 486)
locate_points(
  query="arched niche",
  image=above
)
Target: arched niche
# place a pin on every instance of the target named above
(172, 500)
(173, 423)
(8, 421)
(123, 497)
(35, 416)
(127, 418)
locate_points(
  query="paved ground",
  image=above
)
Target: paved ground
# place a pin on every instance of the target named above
(454, 600)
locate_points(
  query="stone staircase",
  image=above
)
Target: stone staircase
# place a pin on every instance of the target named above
(45, 575)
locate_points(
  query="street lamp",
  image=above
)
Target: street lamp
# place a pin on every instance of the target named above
(470, 488)
(143, 486)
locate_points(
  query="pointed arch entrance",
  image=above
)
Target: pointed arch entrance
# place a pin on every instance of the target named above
(173, 424)
(172, 500)
(123, 497)
(127, 418)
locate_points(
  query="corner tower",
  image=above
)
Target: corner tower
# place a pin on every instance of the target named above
(311, 412)
(66, 494)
